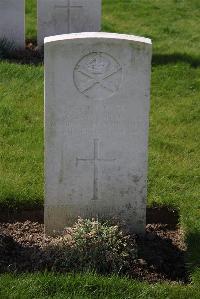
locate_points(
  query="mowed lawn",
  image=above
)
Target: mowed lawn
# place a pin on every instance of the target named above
(174, 155)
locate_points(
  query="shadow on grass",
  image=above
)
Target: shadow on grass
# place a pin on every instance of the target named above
(31, 55)
(163, 59)
(193, 251)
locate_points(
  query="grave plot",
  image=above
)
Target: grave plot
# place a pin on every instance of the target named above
(168, 248)
(24, 248)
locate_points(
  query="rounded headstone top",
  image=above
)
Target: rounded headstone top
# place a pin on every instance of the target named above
(96, 35)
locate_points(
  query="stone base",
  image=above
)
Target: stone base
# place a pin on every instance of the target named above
(56, 218)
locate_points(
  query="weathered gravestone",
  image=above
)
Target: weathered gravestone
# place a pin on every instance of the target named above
(12, 20)
(67, 16)
(97, 110)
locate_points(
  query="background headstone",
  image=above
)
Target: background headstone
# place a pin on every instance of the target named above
(67, 16)
(96, 118)
(12, 22)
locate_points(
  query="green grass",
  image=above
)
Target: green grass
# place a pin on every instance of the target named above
(174, 160)
(173, 25)
(31, 19)
(43, 286)
(21, 151)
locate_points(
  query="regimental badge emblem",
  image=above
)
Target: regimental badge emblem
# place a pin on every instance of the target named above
(98, 75)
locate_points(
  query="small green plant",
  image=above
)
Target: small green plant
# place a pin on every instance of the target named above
(90, 245)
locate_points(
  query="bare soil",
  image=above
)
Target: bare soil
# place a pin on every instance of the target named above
(161, 254)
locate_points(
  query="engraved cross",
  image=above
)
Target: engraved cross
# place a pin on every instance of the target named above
(95, 160)
(68, 6)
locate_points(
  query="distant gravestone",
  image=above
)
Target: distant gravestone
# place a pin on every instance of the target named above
(67, 16)
(12, 20)
(96, 126)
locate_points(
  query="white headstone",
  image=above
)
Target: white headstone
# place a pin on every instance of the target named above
(67, 16)
(97, 94)
(12, 20)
